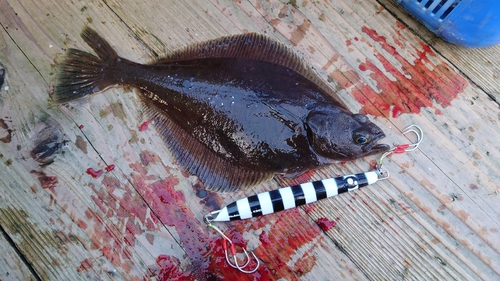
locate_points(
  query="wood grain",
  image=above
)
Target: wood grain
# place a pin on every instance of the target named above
(12, 266)
(435, 218)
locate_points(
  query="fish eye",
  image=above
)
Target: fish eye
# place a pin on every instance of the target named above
(361, 137)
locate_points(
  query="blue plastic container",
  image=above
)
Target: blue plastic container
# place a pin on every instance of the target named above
(471, 23)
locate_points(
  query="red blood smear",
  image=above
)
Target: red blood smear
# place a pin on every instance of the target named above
(325, 223)
(287, 233)
(144, 126)
(86, 264)
(264, 239)
(128, 210)
(416, 86)
(169, 269)
(205, 251)
(80, 127)
(95, 174)
(110, 168)
(308, 208)
(396, 111)
(47, 182)
(81, 224)
(148, 158)
(400, 25)
(170, 205)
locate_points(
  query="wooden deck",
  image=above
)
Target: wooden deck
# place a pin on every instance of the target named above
(436, 218)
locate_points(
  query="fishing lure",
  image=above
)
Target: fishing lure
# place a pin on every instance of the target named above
(293, 196)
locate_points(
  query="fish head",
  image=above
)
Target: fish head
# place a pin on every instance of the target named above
(342, 136)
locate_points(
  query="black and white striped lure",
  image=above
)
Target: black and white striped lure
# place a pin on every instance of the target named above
(293, 196)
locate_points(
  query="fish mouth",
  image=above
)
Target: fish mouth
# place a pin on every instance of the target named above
(373, 147)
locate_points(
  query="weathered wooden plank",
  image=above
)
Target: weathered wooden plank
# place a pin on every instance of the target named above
(12, 266)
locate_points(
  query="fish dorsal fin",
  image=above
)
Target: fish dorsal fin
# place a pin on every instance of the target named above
(215, 172)
(252, 46)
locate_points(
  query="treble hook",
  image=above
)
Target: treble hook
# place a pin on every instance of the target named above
(419, 134)
(235, 264)
(402, 148)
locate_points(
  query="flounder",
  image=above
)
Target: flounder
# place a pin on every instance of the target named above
(234, 111)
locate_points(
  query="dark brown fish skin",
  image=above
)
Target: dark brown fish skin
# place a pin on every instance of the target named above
(255, 115)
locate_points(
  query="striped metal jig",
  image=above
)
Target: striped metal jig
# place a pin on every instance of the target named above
(293, 196)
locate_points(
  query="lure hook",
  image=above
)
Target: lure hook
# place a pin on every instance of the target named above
(402, 148)
(418, 132)
(234, 264)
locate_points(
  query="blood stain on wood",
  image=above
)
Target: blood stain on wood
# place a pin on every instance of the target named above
(299, 33)
(473, 186)
(81, 144)
(172, 210)
(110, 168)
(304, 264)
(264, 239)
(81, 224)
(169, 269)
(144, 126)
(325, 224)
(95, 174)
(308, 208)
(416, 85)
(47, 182)
(148, 157)
(129, 211)
(8, 137)
(86, 264)
(203, 249)
(287, 234)
(212, 200)
(463, 215)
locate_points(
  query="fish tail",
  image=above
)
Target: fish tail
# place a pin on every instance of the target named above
(82, 73)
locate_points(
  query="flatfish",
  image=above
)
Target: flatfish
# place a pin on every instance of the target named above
(234, 111)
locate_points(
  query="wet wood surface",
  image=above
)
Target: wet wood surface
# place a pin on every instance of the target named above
(88, 192)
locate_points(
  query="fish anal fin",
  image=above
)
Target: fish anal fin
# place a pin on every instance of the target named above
(215, 172)
(253, 46)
